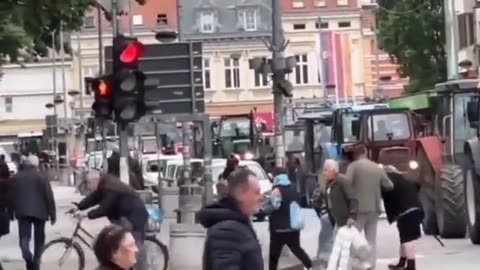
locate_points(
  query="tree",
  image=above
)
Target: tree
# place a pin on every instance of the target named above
(28, 24)
(412, 32)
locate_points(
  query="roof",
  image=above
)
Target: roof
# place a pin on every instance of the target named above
(322, 116)
(413, 102)
(458, 85)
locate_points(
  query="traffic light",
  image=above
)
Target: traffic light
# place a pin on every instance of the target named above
(103, 90)
(129, 81)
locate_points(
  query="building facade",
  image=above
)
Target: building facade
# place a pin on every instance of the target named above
(346, 48)
(26, 89)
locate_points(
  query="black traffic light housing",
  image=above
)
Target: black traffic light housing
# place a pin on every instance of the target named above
(103, 93)
(129, 81)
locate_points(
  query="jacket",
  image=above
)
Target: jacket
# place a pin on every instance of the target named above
(32, 195)
(367, 180)
(6, 210)
(340, 201)
(282, 196)
(402, 199)
(231, 242)
(350, 251)
(116, 201)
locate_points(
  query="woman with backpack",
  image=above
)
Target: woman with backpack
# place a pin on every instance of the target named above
(286, 220)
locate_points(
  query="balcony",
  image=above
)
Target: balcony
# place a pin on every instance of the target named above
(369, 4)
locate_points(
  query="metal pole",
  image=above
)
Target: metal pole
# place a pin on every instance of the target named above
(186, 134)
(130, 18)
(54, 75)
(64, 86)
(278, 44)
(321, 67)
(100, 41)
(181, 38)
(122, 129)
(159, 165)
(80, 74)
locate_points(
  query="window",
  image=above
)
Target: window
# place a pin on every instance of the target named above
(206, 74)
(90, 71)
(299, 26)
(323, 25)
(8, 104)
(394, 126)
(344, 24)
(232, 73)
(162, 19)
(301, 70)
(466, 30)
(261, 79)
(248, 19)
(349, 134)
(137, 20)
(462, 130)
(298, 4)
(320, 3)
(207, 20)
(89, 22)
(342, 2)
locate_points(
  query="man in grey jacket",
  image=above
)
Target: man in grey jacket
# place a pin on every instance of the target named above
(368, 179)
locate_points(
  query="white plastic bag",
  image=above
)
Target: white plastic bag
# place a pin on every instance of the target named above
(350, 250)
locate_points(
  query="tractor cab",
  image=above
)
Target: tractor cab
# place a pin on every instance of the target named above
(317, 139)
(236, 134)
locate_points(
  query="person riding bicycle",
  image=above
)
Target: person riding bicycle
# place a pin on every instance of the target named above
(117, 201)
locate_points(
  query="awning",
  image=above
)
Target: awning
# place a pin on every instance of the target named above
(14, 127)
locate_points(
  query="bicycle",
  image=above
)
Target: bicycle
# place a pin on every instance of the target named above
(81, 235)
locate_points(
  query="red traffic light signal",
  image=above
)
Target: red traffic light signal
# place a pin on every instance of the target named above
(132, 52)
(103, 89)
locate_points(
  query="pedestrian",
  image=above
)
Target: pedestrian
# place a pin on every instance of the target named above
(33, 204)
(367, 179)
(6, 211)
(340, 203)
(402, 205)
(135, 170)
(285, 221)
(115, 249)
(222, 185)
(231, 239)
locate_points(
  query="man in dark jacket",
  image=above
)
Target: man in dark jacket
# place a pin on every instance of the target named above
(33, 203)
(402, 205)
(136, 174)
(231, 240)
(121, 204)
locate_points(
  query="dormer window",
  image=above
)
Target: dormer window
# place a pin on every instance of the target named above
(248, 19)
(207, 22)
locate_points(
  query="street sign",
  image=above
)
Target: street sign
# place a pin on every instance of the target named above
(174, 73)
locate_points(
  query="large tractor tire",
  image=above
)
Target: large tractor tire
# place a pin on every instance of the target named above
(472, 201)
(450, 202)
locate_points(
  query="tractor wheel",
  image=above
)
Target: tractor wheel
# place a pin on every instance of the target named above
(427, 197)
(450, 202)
(472, 201)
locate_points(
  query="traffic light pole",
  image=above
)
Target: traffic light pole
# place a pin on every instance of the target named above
(278, 46)
(121, 127)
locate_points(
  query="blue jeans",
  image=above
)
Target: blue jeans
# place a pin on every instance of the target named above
(325, 239)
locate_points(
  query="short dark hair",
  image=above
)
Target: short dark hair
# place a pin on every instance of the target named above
(238, 179)
(108, 242)
(359, 151)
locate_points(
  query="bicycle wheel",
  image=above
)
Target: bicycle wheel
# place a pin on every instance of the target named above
(62, 247)
(157, 254)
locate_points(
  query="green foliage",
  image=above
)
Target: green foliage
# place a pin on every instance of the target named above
(412, 32)
(29, 24)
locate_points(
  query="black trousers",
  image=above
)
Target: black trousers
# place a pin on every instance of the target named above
(25, 234)
(292, 240)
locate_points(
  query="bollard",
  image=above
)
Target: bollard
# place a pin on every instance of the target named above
(186, 246)
(190, 202)
(170, 202)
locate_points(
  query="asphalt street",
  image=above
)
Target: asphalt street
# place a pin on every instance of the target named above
(457, 254)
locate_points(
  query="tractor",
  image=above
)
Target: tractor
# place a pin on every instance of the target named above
(236, 134)
(447, 154)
